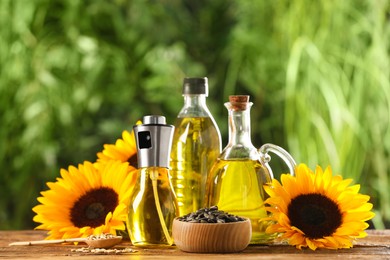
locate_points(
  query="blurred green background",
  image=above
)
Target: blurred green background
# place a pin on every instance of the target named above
(74, 74)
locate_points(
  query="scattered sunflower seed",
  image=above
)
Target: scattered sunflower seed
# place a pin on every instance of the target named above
(103, 250)
(210, 215)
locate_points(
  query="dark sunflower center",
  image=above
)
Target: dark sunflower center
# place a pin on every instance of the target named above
(315, 214)
(92, 208)
(133, 160)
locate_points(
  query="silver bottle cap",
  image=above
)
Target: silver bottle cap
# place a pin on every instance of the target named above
(154, 140)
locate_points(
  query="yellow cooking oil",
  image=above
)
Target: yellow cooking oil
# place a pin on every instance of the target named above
(236, 186)
(152, 209)
(196, 146)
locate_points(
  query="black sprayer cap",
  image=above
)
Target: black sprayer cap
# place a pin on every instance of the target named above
(195, 86)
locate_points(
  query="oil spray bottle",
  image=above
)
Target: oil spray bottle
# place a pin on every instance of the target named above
(153, 204)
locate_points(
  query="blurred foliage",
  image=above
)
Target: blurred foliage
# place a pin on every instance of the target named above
(74, 74)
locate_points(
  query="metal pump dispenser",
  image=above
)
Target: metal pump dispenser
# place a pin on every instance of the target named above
(154, 140)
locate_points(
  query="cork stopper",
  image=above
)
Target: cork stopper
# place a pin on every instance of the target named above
(239, 102)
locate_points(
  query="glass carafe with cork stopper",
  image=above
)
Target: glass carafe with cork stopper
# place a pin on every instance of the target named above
(153, 204)
(236, 180)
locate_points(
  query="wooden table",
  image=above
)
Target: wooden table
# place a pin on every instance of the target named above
(375, 246)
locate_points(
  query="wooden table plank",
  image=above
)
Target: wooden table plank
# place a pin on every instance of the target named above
(375, 246)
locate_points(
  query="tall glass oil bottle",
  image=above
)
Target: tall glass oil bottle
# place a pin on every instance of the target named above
(236, 180)
(196, 145)
(153, 204)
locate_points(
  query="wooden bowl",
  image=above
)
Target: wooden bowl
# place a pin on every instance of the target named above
(212, 237)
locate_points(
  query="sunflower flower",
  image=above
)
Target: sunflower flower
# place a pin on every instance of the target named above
(124, 150)
(85, 201)
(317, 210)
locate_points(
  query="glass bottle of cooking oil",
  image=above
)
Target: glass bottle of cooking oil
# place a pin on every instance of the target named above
(153, 204)
(196, 145)
(236, 180)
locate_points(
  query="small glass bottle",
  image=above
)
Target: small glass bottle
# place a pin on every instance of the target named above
(153, 204)
(237, 178)
(196, 145)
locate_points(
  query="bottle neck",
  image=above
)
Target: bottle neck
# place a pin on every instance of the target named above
(194, 100)
(240, 146)
(240, 128)
(194, 105)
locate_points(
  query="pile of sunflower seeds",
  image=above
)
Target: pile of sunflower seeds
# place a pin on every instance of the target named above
(100, 236)
(210, 215)
(101, 251)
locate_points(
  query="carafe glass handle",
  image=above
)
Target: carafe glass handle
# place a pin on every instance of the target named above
(279, 151)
